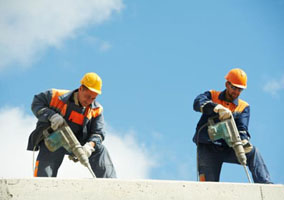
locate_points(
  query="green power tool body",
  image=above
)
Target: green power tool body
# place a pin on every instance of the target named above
(228, 131)
(64, 137)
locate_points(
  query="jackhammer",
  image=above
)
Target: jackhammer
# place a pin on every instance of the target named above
(228, 131)
(64, 137)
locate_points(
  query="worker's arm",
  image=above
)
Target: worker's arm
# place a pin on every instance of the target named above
(40, 106)
(242, 122)
(97, 131)
(203, 103)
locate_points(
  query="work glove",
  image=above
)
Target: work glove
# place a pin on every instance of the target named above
(247, 146)
(224, 113)
(88, 148)
(56, 121)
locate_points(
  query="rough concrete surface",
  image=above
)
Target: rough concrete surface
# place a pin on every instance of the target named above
(115, 189)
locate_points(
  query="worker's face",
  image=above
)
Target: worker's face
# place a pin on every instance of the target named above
(86, 96)
(232, 92)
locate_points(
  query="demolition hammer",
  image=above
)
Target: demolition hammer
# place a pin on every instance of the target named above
(228, 131)
(64, 137)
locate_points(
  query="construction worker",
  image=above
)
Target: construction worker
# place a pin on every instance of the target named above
(222, 105)
(83, 114)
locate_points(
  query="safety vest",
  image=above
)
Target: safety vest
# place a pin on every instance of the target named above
(233, 107)
(61, 107)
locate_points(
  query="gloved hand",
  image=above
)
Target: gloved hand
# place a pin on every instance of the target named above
(247, 146)
(88, 148)
(224, 113)
(56, 121)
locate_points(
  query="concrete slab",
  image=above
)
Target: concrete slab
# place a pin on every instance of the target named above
(116, 189)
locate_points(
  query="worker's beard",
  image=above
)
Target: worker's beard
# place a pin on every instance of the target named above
(231, 96)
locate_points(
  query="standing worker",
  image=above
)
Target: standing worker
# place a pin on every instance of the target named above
(84, 116)
(212, 154)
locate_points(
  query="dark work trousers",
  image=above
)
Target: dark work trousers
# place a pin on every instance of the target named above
(48, 163)
(211, 157)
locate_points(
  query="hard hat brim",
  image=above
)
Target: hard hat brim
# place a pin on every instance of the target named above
(94, 90)
(239, 86)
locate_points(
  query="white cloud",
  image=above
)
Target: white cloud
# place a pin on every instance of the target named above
(29, 27)
(129, 157)
(15, 127)
(274, 86)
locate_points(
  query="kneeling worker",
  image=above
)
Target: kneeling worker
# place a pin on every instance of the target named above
(83, 114)
(224, 104)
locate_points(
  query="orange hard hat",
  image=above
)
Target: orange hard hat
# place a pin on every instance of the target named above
(93, 82)
(237, 77)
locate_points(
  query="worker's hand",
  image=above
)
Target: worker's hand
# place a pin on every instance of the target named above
(224, 113)
(56, 121)
(88, 148)
(247, 146)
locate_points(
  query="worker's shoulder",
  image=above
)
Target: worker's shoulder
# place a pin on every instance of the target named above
(212, 92)
(243, 103)
(96, 110)
(96, 105)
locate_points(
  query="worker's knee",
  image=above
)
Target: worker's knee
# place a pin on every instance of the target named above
(101, 163)
(252, 152)
(100, 155)
(254, 156)
(99, 148)
(46, 168)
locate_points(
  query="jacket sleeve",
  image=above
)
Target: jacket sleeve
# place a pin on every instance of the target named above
(203, 103)
(97, 129)
(97, 126)
(242, 122)
(40, 106)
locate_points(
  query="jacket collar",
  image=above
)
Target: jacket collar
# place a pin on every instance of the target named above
(223, 95)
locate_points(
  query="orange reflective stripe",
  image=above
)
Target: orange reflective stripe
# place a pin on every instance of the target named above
(94, 112)
(215, 99)
(97, 111)
(63, 111)
(76, 118)
(242, 105)
(57, 103)
(62, 107)
(202, 177)
(214, 96)
(36, 168)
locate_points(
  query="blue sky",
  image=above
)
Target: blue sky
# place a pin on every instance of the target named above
(154, 58)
